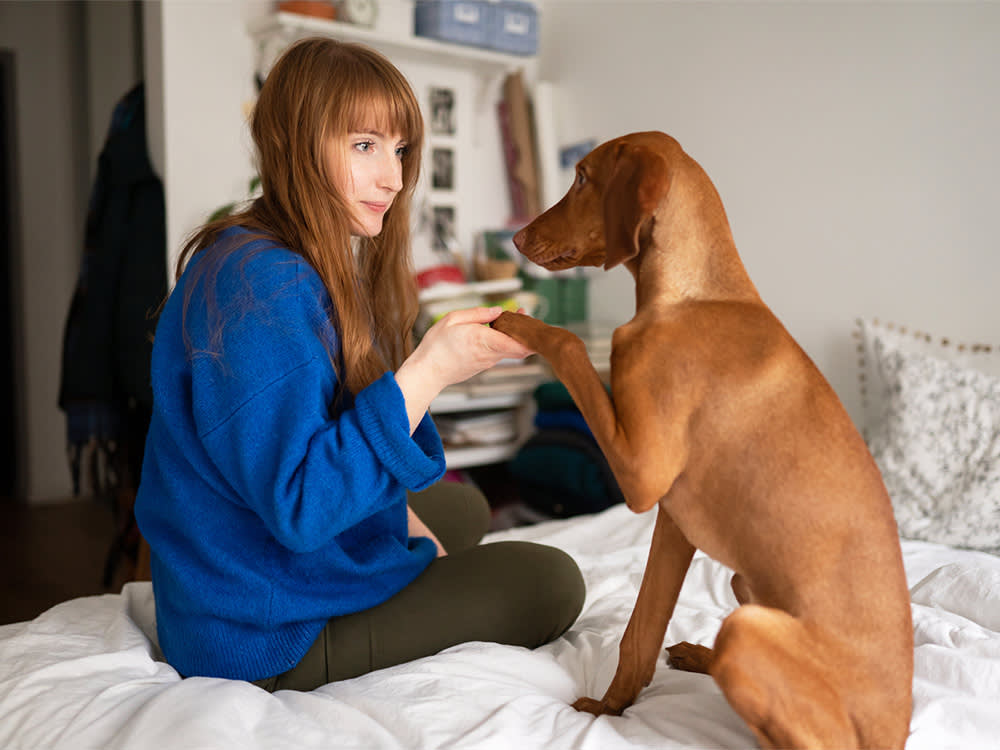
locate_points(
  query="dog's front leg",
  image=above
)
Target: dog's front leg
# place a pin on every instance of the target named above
(670, 556)
(567, 355)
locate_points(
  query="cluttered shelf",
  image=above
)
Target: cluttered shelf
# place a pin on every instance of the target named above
(392, 37)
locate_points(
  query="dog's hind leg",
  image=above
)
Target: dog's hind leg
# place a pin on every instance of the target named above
(669, 557)
(690, 657)
(772, 671)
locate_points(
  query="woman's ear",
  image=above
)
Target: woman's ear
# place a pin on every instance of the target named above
(639, 180)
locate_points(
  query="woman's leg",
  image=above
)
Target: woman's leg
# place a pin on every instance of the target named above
(518, 593)
(458, 514)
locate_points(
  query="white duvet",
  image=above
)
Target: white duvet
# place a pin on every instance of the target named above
(86, 673)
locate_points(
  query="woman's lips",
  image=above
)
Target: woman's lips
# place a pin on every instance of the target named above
(379, 208)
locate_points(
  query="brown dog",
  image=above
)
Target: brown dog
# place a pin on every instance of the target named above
(717, 416)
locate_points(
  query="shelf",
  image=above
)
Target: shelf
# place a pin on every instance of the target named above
(458, 398)
(291, 26)
(447, 290)
(479, 455)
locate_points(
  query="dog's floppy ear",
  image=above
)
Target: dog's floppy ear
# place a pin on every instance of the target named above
(638, 182)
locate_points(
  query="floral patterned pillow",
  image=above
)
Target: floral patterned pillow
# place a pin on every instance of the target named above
(937, 443)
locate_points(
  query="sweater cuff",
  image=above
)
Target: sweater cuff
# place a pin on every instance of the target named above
(416, 462)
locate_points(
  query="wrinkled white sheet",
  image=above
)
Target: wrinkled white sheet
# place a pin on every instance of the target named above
(86, 674)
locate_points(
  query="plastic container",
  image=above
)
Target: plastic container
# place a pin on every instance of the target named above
(514, 27)
(460, 21)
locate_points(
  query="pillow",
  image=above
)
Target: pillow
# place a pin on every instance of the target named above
(933, 427)
(982, 357)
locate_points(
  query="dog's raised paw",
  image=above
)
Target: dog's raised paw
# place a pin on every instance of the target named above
(689, 657)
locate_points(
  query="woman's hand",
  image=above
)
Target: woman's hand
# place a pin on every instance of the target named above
(454, 349)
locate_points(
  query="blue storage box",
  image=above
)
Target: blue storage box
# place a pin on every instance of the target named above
(459, 21)
(514, 27)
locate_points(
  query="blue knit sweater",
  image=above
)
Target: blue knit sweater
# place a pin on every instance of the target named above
(266, 513)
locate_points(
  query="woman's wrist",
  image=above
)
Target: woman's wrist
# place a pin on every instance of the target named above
(418, 388)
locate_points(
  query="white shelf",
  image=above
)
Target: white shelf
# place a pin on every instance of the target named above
(502, 393)
(458, 398)
(447, 290)
(479, 455)
(292, 26)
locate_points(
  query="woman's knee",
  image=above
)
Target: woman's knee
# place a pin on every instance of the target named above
(546, 585)
(457, 513)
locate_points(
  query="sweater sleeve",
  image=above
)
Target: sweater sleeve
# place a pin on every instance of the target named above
(266, 424)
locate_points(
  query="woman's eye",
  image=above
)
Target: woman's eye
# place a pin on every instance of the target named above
(364, 145)
(402, 151)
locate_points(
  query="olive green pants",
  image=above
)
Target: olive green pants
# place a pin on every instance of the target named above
(517, 593)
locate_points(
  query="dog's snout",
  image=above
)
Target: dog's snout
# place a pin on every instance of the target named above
(520, 237)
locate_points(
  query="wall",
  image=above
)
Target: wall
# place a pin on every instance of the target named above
(854, 145)
(72, 62)
(199, 64)
(50, 182)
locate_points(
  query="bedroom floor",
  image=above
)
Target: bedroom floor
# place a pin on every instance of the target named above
(50, 553)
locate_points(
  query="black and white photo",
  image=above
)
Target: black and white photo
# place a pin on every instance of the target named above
(442, 106)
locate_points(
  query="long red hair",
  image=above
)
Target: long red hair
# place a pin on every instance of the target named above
(319, 89)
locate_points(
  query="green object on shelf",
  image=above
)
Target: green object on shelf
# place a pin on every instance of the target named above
(548, 289)
(574, 299)
(565, 296)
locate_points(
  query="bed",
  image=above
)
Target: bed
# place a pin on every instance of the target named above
(87, 673)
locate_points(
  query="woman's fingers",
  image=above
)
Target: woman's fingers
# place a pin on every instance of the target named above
(473, 315)
(504, 344)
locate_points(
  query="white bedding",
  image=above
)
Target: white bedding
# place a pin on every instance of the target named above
(85, 674)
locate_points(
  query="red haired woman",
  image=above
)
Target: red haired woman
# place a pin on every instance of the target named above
(289, 493)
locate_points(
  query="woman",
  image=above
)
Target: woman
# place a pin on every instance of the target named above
(289, 492)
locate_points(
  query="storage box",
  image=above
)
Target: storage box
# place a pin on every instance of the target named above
(514, 27)
(566, 297)
(458, 21)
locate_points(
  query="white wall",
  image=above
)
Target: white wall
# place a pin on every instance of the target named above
(201, 82)
(854, 145)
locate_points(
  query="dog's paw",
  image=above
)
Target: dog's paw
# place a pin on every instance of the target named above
(689, 657)
(595, 707)
(515, 325)
(554, 343)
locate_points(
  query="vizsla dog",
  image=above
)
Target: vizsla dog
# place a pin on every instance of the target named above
(717, 417)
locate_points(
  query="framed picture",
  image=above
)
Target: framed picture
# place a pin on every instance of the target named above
(444, 228)
(442, 104)
(442, 169)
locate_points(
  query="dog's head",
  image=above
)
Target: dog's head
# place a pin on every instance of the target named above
(599, 221)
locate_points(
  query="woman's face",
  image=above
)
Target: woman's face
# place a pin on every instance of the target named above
(368, 170)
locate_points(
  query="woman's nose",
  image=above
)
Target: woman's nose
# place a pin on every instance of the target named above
(392, 172)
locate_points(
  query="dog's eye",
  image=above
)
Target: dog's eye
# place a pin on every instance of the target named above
(581, 178)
